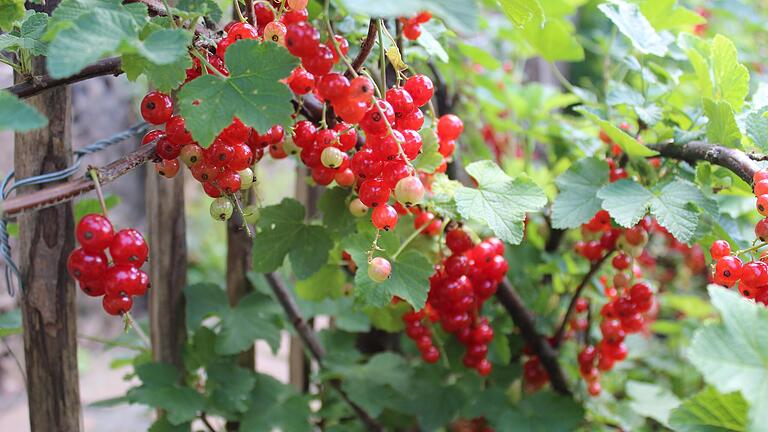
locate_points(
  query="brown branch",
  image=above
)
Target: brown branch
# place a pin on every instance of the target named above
(365, 48)
(309, 338)
(38, 84)
(525, 321)
(68, 191)
(735, 160)
(572, 305)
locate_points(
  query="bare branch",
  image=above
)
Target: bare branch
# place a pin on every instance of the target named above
(366, 47)
(70, 190)
(524, 320)
(309, 338)
(735, 160)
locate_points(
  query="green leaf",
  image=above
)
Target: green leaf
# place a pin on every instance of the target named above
(432, 46)
(229, 386)
(673, 210)
(731, 78)
(756, 123)
(103, 32)
(276, 406)
(159, 389)
(631, 22)
(626, 201)
(10, 12)
(443, 196)
(207, 8)
(722, 127)
(480, 56)
(630, 145)
(521, 12)
(336, 216)
(652, 400)
(409, 281)
(28, 36)
(666, 14)
(246, 322)
(710, 411)
(165, 78)
(553, 39)
(283, 232)
(542, 412)
(163, 425)
(326, 283)
(346, 316)
(16, 115)
(377, 384)
(10, 323)
(203, 300)
(252, 92)
(458, 14)
(429, 158)
(70, 10)
(689, 305)
(499, 201)
(732, 356)
(577, 201)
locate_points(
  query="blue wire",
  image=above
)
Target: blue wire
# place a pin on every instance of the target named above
(8, 185)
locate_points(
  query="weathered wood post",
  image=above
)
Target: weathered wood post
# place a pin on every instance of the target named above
(45, 240)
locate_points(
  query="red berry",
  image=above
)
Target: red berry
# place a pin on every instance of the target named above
(167, 150)
(384, 217)
(411, 30)
(762, 205)
(333, 87)
(761, 187)
(85, 266)
(228, 182)
(94, 232)
(302, 39)
(431, 355)
(728, 270)
(374, 192)
(242, 30)
(458, 241)
(168, 168)
(94, 288)
(177, 132)
(129, 247)
(242, 157)
(360, 89)
(401, 101)
(761, 229)
(759, 176)
(343, 47)
(152, 136)
(117, 305)
(449, 127)
(320, 62)
(300, 81)
(123, 279)
(414, 120)
(621, 261)
(420, 88)
(755, 273)
(719, 249)
(236, 133)
(484, 367)
(156, 107)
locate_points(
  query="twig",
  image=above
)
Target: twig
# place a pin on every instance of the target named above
(70, 190)
(309, 338)
(365, 48)
(204, 419)
(572, 305)
(130, 322)
(38, 84)
(735, 160)
(524, 320)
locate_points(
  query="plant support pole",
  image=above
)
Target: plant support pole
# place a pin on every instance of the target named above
(48, 292)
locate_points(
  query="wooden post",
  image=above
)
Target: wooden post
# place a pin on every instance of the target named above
(48, 293)
(168, 266)
(298, 362)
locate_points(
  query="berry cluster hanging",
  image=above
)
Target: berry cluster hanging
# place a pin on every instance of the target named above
(116, 281)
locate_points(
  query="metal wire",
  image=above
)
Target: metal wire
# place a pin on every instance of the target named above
(8, 185)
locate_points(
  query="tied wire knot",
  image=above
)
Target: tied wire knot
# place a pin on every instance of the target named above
(9, 184)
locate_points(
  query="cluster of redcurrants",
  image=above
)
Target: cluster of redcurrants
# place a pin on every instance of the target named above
(624, 314)
(119, 281)
(752, 277)
(458, 289)
(601, 237)
(412, 26)
(223, 168)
